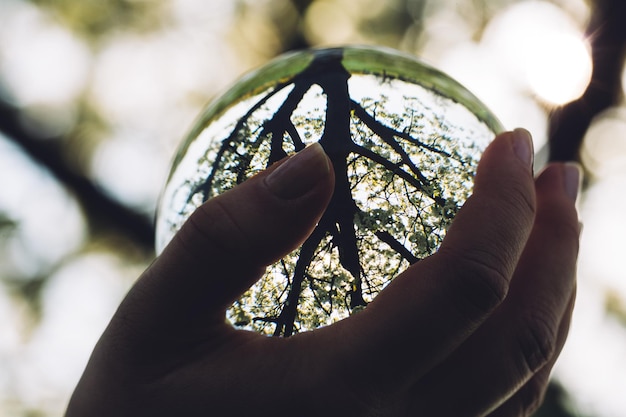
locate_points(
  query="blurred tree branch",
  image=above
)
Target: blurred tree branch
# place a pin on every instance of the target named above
(607, 36)
(101, 211)
(296, 39)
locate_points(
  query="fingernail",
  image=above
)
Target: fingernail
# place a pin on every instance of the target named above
(300, 173)
(523, 146)
(572, 179)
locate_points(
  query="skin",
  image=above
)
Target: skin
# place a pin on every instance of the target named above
(473, 330)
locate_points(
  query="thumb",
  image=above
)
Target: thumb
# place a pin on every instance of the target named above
(225, 245)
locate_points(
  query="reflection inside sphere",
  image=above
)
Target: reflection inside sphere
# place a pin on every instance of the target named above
(404, 141)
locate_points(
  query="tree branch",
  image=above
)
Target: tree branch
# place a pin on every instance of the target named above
(102, 212)
(569, 124)
(387, 135)
(397, 246)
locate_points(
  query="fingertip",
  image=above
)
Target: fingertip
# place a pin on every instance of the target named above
(518, 143)
(572, 180)
(523, 146)
(503, 203)
(299, 173)
(558, 187)
(562, 178)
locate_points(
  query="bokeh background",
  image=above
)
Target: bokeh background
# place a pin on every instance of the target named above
(95, 96)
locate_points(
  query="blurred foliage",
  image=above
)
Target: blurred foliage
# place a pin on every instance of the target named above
(95, 18)
(557, 403)
(7, 224)
(615, 306)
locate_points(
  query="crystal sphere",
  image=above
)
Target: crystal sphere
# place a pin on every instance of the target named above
(404, 140)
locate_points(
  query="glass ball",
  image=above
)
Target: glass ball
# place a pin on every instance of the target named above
(404, 140)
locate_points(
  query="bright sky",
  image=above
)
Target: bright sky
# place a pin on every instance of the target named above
(530, 56)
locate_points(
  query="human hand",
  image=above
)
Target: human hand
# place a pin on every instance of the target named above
(472, 330)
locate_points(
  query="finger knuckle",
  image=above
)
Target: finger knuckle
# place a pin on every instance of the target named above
(212, 227)
(537, 342)
(562, 227)
(532, 395)
(484, 285)
(515, 212)
(522, 200)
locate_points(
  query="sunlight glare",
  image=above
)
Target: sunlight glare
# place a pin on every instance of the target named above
(41, 61)
(543, 49)
(475, 66)
(560, 69)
